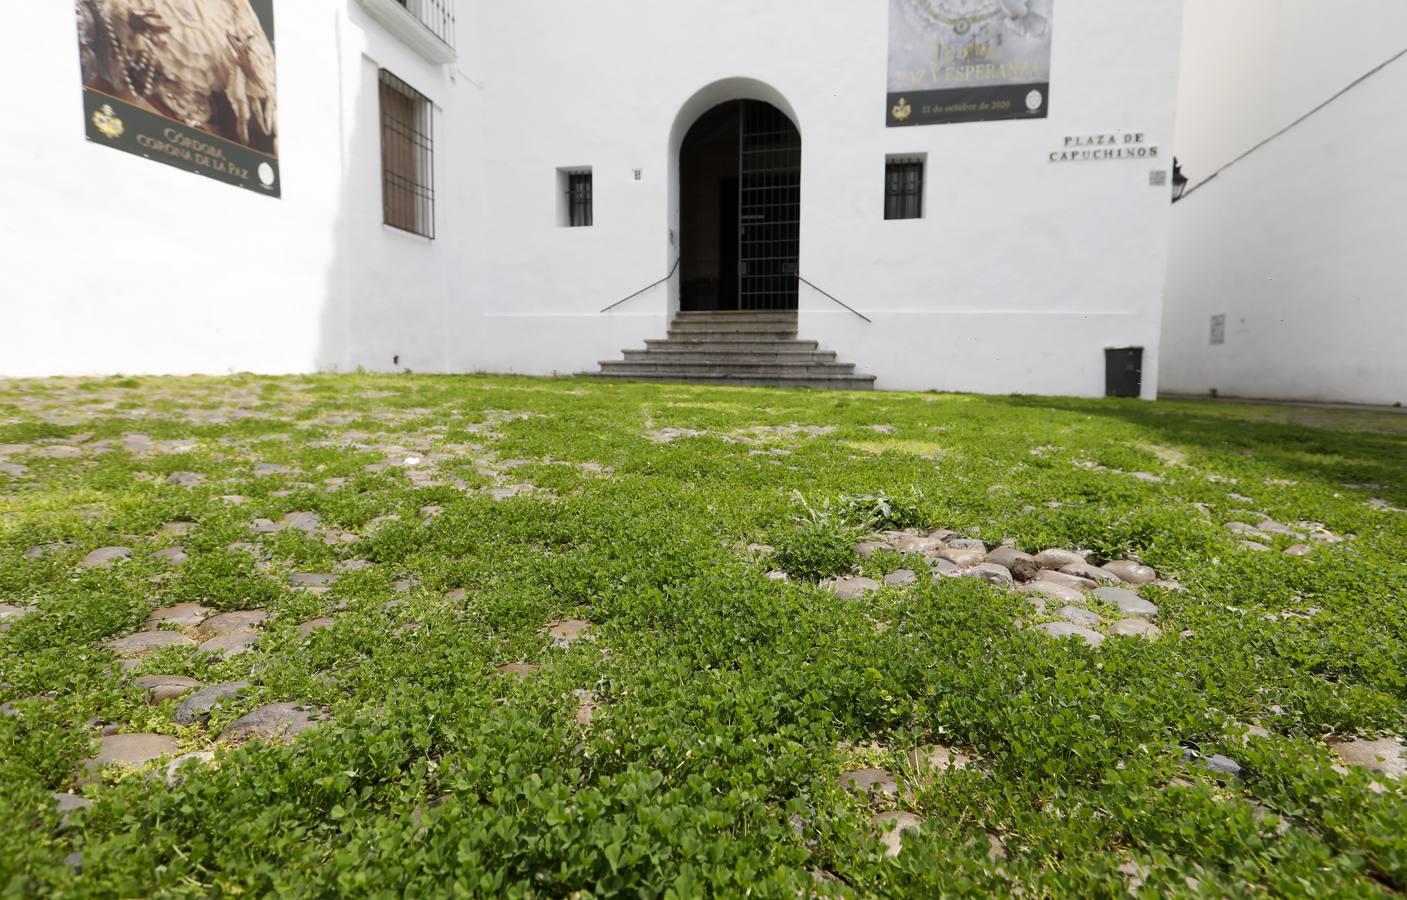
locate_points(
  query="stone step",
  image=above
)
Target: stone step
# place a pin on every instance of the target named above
(837, 383)
(781, 329)
(736, 348)
(766, 370)
(736, 344)
(730, 316)
(762, 357)
(731, 337)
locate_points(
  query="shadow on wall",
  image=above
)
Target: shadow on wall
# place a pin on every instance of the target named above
(334, 335)
(355, 275)
(335, 349)
(1331, 447)
(387, 288)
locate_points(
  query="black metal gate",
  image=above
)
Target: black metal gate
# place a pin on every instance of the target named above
(769, 208)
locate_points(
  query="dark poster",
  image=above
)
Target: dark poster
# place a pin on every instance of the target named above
(968, 61)
(189, 83)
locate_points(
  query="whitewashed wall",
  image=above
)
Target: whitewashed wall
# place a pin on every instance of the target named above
(1020, 275)
(1251, 67)
(113, 263)
(1299, 245)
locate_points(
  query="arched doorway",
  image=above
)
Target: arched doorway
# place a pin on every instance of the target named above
(740, 209)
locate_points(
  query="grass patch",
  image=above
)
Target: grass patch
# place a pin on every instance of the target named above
(457, 517)
(921, 449)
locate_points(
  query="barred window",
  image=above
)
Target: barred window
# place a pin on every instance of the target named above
(903, 188)
(407, 157)
(579, 199)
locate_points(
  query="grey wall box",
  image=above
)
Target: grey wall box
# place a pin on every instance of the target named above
(1123, 372)
(1218, 330)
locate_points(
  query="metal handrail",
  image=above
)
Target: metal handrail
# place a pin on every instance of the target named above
(672, 269)
(835, 299)
(1194, 188)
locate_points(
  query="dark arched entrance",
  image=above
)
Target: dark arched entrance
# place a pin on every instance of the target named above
(740, 209)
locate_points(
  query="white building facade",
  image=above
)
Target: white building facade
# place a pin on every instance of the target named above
(1287, 280)
(1036, 240)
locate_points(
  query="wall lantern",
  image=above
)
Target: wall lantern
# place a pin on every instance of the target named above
(1179, 181)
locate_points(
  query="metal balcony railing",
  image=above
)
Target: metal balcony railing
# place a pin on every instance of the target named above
(436, 15)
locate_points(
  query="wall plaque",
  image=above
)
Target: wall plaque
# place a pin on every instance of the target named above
(188, 83)
(968, 61)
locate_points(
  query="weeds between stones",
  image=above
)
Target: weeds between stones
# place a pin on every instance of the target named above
(508, 636)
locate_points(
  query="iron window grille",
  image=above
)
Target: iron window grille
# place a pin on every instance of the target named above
(407, 157)
(903, 189)
(579, 200)
(436, 15)
(769, 208)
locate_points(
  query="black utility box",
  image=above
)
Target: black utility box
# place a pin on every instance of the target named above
(1123, 372)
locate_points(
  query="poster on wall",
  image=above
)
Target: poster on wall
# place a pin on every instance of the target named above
(188, 83)
(968, 61)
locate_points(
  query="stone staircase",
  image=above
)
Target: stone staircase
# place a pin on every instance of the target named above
(757, 349)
